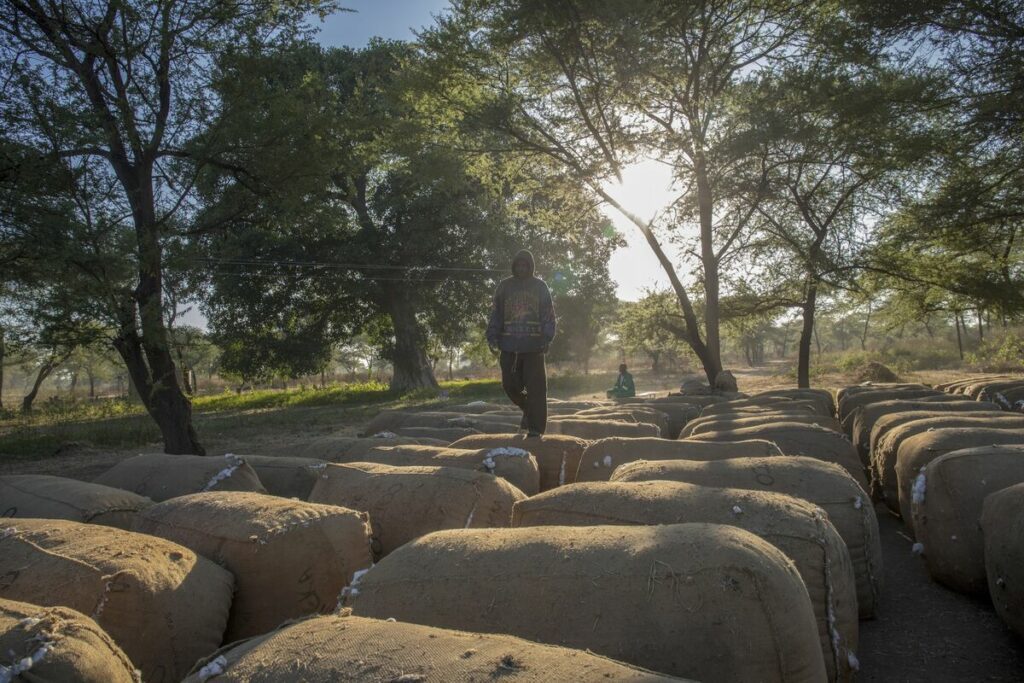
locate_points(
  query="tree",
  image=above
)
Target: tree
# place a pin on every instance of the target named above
(115, 89)
(646, 327)
(593, 85)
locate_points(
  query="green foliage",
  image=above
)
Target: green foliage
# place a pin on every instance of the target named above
(1003, 353)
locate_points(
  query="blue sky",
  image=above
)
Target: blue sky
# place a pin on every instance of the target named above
(395, 19)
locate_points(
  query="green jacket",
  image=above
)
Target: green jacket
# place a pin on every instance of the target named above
(625, 384)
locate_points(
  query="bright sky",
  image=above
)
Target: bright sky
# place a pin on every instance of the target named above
(645, 187)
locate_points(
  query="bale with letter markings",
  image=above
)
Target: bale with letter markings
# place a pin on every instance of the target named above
(43, 496)
(602, 457)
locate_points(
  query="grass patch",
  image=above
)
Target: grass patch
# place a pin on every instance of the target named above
(118, 424)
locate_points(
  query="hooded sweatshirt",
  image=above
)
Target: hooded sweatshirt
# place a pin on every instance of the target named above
(522, 314)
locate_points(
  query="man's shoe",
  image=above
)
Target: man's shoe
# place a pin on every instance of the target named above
(532, 433)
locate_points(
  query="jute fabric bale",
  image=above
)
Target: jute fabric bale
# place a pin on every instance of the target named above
(159, 476)
(766, 404)
(630, 413)
(1002, 525)
(759, 413)
(39, 644)
(822, 397)
(955, 386)
(290, 558)
(557, 455)
(800, 439)
(596, 428)
(865, 417)
(286, 477)
(890, 421)
(850, 403)
(917, 451)
(331, 448)
(407, 502)
(706, 601)
(514, 465)
(797, 528)
(824, 484)
(843, 392)
(976, 389)
(43, 496)
(444, 434)
(162, 604)
(349, 648)
(723, 423)
(946, 503)
(391, 420)
(601, 457)
(883, 457)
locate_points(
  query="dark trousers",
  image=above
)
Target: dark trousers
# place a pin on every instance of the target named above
(525, 372)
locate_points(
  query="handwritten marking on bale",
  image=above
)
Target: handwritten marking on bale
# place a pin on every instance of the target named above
(797, 528)
(47, 497)
(289, 558)
(159, 476)
(407, 502)
(160, 602)
(349, 648)
(705, 601)
(824, 484)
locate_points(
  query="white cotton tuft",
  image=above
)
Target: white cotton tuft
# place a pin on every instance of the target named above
(917, 548)
(607, 461)
(215, 667)
(507, 451)
(919, 489)
(858, 503)
(737, 510)
(234, 462)
(853, 661)
(385, 435)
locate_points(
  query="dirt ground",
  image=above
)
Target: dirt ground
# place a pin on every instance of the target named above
(925, 632)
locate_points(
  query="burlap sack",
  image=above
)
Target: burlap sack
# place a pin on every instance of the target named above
(558, 456)
(287, 477)
(159, 476)
(917, 451)
(946, 503)
(797, 528)
(800, 439)
(848, 408)
(976, 389)
(391, 420)
(821, 397)
(679, 411)
(883, 458)
(706, 601)
(890, 421)
(445, 435)
(865, 417)
(161, 603)
(1002, 525)
(289, 558)
(597, 428)
(824, 484)
(725, 422)
(331, 448)
(40, 644)
(603, 456)
(407, 502)
(629, 413)
(43, 496)
(765, 404)
(514, 465)
(956, 386)
(348, 648)
(843, 393)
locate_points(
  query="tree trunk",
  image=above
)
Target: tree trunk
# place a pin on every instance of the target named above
(411, 369)
(45, 369)
(3, 351)
(710, 262)
(92, 384)
(74, 383)
(148, 355)
(981, 327)
(803, 372)
(864, 335)
(171, 411)
(959, 340)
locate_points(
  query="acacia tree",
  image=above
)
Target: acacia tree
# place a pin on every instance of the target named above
(117, 87)
(593, 85)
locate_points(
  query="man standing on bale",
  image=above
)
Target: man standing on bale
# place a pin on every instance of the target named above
(521, 327)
